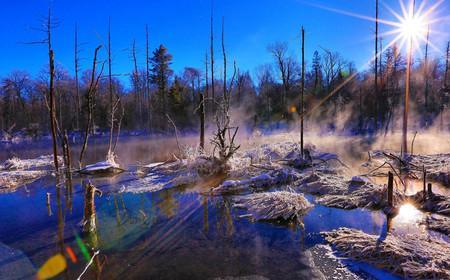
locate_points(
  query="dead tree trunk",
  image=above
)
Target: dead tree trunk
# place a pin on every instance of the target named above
(206, 96)
(67, 154)
(202, 115)
(302, 106)
(447, 58)
(224, 61)
(376, 66)
(52, 91)
(147, 79)
(110, 88)
(427, 82)
(90, 100)
(447, 62)
(213, 103)
(77, 85)
(137, 90)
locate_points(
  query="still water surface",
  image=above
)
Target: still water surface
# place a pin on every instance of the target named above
(171, 234)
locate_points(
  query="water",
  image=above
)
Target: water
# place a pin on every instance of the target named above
(172, 234)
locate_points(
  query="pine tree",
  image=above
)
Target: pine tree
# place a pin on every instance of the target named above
(161, 73)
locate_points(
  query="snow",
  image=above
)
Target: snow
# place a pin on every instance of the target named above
(410, 256)
(109, 166)
(163, 176)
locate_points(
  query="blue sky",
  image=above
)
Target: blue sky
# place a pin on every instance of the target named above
(183, 27)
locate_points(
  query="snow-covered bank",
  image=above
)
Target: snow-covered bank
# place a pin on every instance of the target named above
(438, 223)
(437, 166)
(409, 256)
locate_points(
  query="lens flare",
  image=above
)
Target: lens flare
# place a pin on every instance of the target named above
(413, 27)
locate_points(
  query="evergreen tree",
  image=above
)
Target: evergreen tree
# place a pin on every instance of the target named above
(161, 74)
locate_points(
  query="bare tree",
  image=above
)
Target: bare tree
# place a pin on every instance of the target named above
(407, 93)
(77, 85)
(136, 81)
(111, 94)
(206, 96)
(147, 78)
(445, 89)
(447, 64)
(92, 90)
(376, 65)
(285, 65)
(213, 97)
(224, 138)
(224, 61)
(427, 82)
(202, 114)
(53, 122)
(302, 106)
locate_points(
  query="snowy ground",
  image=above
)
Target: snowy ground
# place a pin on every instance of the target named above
(17, 172)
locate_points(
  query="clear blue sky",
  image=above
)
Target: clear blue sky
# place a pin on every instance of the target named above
(183, 26)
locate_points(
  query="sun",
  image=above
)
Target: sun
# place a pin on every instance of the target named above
(413, 27)
(408, 27)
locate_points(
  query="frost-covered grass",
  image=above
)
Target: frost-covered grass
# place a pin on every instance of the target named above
(265, 180)
(437, 166)
(10, 180)
(320, 183)
(274, 205)
(17, 172)
(335, 190)
(409, 256)
(434, 203)
(39, 163)
(438, 223)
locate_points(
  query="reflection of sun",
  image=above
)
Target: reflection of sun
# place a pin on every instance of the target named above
(408, 214)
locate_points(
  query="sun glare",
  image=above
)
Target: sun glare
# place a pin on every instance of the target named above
(413, 27)
(408, 214)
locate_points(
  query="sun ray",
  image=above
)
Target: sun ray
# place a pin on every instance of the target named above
(355, 15)
(390, 10)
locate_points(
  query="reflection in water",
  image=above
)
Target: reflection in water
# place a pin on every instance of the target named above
(49, 207)
(60, 230)
(90, 225)
(116, 207)
(408, 219)
(168, 205)
(205, 215)
(69, 192)
(224, 221)
(408, 214)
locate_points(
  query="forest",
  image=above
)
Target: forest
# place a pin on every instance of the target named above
(268, 97)
(311, 166)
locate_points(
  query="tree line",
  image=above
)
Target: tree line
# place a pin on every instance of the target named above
(268, 97)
